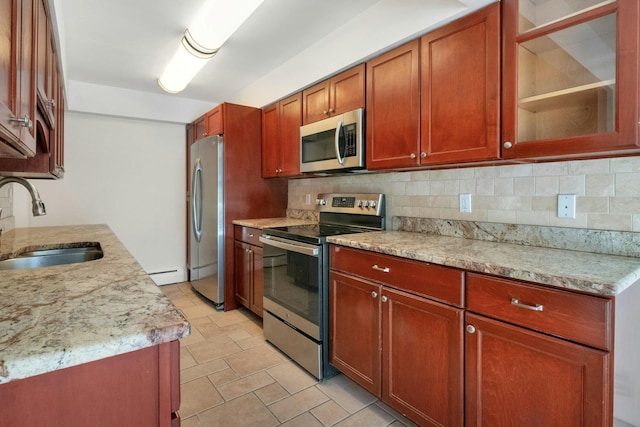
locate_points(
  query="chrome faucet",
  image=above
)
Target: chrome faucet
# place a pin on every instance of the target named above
(37, 204)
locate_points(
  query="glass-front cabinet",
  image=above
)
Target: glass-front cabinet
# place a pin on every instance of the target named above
(570, 77)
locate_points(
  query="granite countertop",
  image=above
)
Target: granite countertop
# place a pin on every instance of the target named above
(60, 316)
(262, 223)
(604, 275)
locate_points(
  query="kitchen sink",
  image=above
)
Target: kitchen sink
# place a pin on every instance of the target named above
(46, 257)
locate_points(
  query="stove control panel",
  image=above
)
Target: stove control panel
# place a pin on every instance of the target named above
(365, 203)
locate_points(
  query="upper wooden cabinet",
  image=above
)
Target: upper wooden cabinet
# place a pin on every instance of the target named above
(17, 83)
(281, 137)
(570, 79)
(460, 90)
(393, 108)
(339, 94)
(213, 121)
(46, 100)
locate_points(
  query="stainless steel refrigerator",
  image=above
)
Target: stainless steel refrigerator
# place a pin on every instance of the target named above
(206, 219)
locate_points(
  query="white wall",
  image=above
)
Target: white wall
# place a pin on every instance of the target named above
(127, 173)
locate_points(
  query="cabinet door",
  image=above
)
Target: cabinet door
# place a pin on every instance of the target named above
(347, 90)
(393, 108)
(570, 78)
(354, 330)
(214, 121)
(270, 141)
(422, 359)
(516, 377)
(199, 128)
(17, 77)
(460, 89)
(243, 272)
(315, 103)
(290, 120)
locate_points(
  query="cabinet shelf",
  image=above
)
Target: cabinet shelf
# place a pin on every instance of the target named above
(561, 98)
(530, 27)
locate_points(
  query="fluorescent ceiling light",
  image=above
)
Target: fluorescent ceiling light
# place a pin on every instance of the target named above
(217, 20)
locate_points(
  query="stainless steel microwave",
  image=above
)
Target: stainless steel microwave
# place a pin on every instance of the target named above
(333, 144)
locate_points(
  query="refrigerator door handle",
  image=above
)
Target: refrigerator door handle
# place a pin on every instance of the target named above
(196, 200)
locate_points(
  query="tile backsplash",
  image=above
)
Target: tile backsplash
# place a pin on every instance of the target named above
(6, 208)
(607, 192)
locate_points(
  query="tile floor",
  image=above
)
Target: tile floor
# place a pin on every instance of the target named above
(230, 376)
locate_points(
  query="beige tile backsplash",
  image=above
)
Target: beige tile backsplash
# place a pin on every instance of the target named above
(607, 192)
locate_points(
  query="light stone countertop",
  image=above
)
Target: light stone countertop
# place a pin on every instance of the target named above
(262, 223)
(61, 316)
(604, 275)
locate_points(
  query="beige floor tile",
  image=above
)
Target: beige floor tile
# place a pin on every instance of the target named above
(371, 416)
(253, 326)
(197, 310)
(400, 419)
(190, 422)
(245, 385)
(271, 393)
(197, 396)
(223, 377)
(230, 317)
(186, 359)
(292, 377)
(251, 342)
(298, 403)
(245, 411)
(213, 348)
(239, 335)
(202, 370)
(253, 360)
(303, 420)
(194, 337)
(329, 413)
(348, 394)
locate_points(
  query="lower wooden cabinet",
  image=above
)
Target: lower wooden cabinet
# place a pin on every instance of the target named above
(404, 348)
(136, 389)
(249, 282)
(518, 377)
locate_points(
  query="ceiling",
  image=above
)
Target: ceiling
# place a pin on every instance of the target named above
(283, 46)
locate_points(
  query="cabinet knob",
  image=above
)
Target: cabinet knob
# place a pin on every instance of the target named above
(325, 112)
(384, 299)
(331, 110)
(423, 155)
(250, 234)
(412, 155)
(51, 103)
(471, 329)
(25, 121)
(374, 294)
(507, 144)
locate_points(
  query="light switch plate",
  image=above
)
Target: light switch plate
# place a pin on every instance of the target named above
(566, 205)
(465, 202)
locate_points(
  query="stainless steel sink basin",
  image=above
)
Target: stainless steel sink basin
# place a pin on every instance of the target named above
(53, 256)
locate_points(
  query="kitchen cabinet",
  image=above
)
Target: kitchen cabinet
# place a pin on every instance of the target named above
(281, 123)
(339, 94)
(460, 90)
(536, 356)
(213, 121)
(137, 389)
(570, 79)
(247, 194)
(17, 78)
(249, 282)
(393, 108)
(396, 329)
(48, 117)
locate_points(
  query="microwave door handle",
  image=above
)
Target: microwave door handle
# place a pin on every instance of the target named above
(337, 141)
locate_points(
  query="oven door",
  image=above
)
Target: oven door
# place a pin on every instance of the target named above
(292, 283)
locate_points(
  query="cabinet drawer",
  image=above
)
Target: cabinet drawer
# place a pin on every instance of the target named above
(582, 318)
(433, 281)
(248, 235)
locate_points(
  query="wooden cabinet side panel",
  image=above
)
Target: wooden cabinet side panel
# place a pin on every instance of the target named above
(423, 359)
(518, 377)
(393, 108)
(460, 86)
(354, 330)
(116, 391)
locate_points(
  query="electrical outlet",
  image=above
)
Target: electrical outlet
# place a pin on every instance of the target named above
(465, 202)
(566, 205)
(307, 199)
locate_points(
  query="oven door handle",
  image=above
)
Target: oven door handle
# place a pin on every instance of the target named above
(288, 245)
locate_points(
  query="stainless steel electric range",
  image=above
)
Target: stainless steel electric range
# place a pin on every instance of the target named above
(296, 276)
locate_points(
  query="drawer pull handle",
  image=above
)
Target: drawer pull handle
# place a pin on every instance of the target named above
(384, 270)
(250, 234)
(537, 307)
